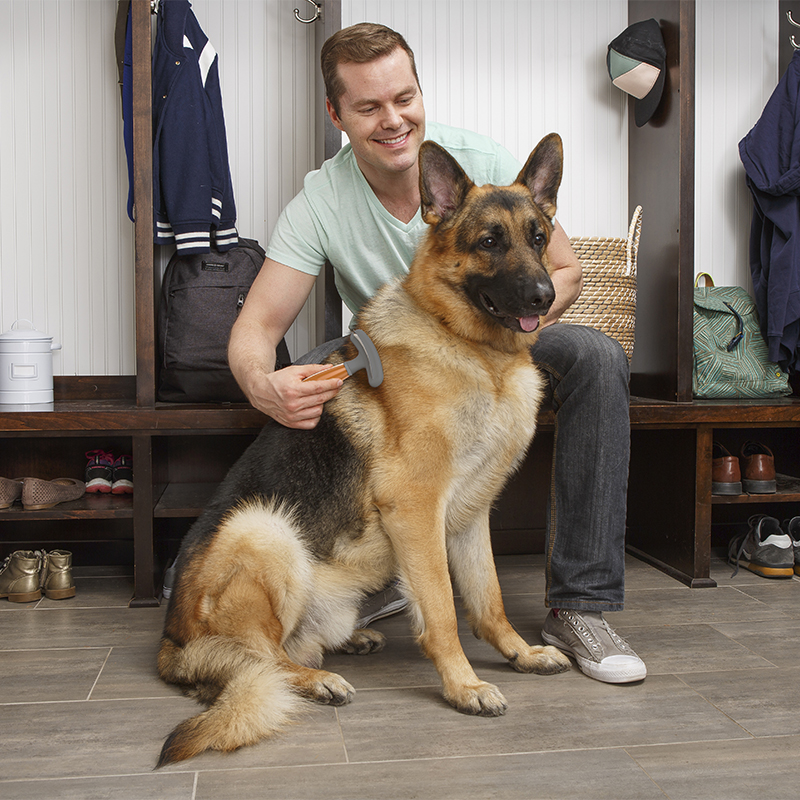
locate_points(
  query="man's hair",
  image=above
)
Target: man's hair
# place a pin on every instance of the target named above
(358, 44)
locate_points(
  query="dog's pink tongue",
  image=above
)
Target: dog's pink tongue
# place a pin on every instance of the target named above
(529, 324)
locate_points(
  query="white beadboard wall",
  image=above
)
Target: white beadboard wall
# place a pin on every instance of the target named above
(736, 72)
(514, 69)
(518, 69)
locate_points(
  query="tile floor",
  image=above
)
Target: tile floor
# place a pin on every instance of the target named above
(83, 713)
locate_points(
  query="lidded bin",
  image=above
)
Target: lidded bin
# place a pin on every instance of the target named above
(26, 365)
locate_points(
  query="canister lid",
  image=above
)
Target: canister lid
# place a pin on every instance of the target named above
(24, 334)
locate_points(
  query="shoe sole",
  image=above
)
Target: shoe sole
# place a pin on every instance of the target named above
(593, 669)
(760, 487)
(726, 488)
(387, 611)
(766, 572)
(23, 597)
(122, 487)
(94, 487)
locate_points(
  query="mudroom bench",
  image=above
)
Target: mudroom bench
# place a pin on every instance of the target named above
(180, 452)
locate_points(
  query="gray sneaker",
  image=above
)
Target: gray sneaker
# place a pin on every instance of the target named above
(382, 604)
(601, 653)
(792, 528)
(764, 549)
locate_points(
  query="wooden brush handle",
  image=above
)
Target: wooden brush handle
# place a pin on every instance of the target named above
(329, 373)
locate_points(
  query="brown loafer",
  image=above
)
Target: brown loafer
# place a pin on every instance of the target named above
(38, 494)
(758, 469)
(10, 490)
(726, 476)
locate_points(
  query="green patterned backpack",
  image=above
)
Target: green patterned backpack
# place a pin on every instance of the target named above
(730, 354)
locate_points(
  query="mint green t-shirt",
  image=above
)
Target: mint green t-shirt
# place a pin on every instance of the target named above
(337, 217)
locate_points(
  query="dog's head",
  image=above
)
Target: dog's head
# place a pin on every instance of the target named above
(484, 262)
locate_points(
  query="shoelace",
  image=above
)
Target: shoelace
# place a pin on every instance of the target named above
(99, 458)
(587, 634)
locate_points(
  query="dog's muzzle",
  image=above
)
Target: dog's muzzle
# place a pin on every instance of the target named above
(516, 307)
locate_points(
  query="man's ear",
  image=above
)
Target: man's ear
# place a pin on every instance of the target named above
(542, 173)
(337, 122)
(443, 185)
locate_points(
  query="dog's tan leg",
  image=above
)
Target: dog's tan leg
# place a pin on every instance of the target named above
(472, 565)
(417, 535)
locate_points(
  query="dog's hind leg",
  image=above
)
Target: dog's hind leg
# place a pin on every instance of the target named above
(472, 566)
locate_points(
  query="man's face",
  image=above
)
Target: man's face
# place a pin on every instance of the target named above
(382, 113)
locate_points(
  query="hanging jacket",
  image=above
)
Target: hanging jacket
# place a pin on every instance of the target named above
(193, 201)
(770, 153)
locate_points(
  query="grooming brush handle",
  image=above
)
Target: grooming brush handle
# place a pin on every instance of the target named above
(336, 371)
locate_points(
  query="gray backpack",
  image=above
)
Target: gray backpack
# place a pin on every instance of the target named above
(201, 296)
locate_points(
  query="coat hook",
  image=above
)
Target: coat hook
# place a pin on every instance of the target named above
(791, 19)
(317, 14)
(794, 42)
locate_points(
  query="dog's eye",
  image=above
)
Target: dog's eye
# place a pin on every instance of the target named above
(488, 242)
(539, 239)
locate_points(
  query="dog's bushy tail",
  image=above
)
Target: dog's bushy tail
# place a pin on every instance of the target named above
(250, 696)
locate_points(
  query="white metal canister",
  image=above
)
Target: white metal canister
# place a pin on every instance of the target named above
(26, 365)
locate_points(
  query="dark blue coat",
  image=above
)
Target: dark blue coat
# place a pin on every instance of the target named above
(771, 156)
(193, 203)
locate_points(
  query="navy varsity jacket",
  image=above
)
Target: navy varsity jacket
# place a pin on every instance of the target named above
(193, 200)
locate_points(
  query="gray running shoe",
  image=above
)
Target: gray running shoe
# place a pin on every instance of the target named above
(792, 528)
(601, 653)
(765, 549)
(382, 604)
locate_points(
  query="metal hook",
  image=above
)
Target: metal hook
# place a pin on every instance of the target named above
(317, 14)
(795, 44)
(791, 19)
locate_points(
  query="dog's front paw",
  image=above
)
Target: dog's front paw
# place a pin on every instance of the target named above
(364, 641)
(327, 688)
(545, 660)
(482, 700)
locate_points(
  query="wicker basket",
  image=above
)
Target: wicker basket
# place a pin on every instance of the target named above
(608, 299)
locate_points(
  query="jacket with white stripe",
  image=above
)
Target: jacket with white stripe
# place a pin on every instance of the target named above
(192, 189)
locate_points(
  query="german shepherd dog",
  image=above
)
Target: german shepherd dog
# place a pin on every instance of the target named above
(395, 481)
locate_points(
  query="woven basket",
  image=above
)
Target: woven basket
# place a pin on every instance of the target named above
(608, 299)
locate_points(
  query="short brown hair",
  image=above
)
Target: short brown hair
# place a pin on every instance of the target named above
(358, 44)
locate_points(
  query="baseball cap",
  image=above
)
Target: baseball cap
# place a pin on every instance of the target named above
(636, 63)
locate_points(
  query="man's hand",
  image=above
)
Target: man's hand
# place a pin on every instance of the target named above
(286, 398)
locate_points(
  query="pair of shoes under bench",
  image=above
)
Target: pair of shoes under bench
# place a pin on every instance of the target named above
(600, 651)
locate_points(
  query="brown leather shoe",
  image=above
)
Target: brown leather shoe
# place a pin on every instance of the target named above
(758, 469)
(726, 477)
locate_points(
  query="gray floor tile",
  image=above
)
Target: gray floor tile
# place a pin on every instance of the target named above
(128, 787)
(125, 737)
(65, 627)
(599, 775)
(130, 672)
(739, 770)
(760, 701)
(777, 641)
(39, 676)
(545, 713)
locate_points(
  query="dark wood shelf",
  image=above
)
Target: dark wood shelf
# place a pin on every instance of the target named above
(90, 506)
(184, 499)
(788, 491)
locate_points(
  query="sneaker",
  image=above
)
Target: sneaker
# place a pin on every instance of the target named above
(765, 549)
(792, 529)
(601, 653)
(383, 604)
(169, 581)
(99, 471)
(122, 475)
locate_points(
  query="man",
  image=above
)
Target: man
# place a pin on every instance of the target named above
(360, 211)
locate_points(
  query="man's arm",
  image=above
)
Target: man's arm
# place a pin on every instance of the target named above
(273, 302)
(565, 273)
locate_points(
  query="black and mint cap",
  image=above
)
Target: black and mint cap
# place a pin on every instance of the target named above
(636, 62)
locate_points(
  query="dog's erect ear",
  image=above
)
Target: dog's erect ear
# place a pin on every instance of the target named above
(443, 185)
(542, 173)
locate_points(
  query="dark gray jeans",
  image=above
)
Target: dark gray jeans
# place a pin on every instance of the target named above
(587, 376)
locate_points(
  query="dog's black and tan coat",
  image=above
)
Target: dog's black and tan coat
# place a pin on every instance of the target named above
(394, 481)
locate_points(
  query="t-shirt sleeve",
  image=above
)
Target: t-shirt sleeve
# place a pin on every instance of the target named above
(298, 241)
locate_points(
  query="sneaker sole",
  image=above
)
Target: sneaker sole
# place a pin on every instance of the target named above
(387, 611)
(595, 670)
(103, 487)
(122, 487)
(767, 572)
